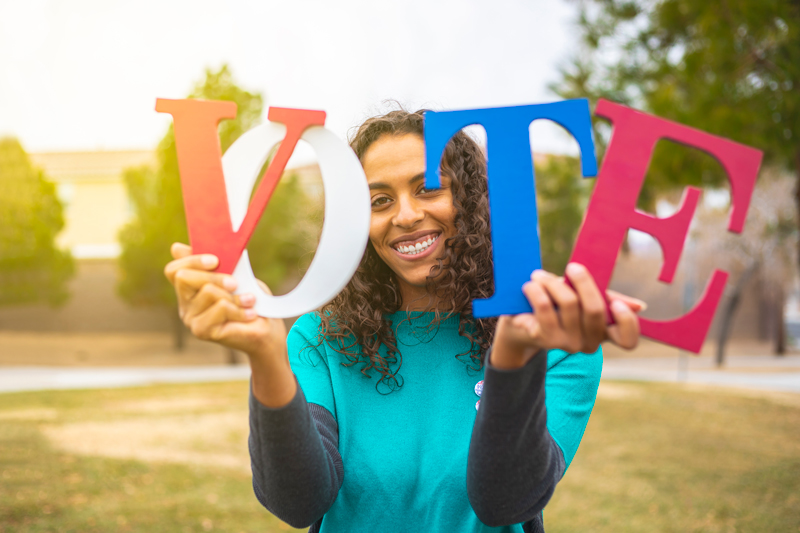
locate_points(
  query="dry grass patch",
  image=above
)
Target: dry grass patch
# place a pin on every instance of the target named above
(674, 458)
(217, 439)
(32, 414)
(157, 459)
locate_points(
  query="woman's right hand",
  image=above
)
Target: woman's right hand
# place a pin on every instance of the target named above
(208, 307)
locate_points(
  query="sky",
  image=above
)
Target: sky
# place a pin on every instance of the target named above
(85, 74)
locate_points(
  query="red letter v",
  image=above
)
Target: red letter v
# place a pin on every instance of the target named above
(203, 183)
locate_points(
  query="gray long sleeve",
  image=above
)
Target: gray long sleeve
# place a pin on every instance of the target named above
(297, 468)
(514, 464)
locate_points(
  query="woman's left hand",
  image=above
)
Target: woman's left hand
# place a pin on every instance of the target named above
(572, 319)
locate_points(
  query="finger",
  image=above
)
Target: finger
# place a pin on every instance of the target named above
(593, 305)
(208, 325)
(636, 305)
(245, 300)
(542, 307)
(566, 300)
(264, 287)
(625, 331)
(527, 323)
(196, 262)
(208, 295)
(180, 250)
(189, 281)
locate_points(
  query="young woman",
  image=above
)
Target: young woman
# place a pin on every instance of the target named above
(392, 408)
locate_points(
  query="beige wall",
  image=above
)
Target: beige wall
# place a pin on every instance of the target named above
(636, 274)
(94, 214)
(91, 186)
(93, 307)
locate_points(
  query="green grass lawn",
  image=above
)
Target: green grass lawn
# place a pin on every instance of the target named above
(658, 457)
(174, 458)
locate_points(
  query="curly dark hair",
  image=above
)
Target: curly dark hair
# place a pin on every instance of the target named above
(354, 323)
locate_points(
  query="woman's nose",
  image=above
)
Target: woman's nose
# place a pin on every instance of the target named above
(408, 213)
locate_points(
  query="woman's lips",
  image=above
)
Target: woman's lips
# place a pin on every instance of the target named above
(422, 255)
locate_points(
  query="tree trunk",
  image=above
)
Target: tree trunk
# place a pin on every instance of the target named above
(779, 346)
(626, 245)
(729, 311)
(764, 312)
(178, 332)
(797, 196)
(782, 325)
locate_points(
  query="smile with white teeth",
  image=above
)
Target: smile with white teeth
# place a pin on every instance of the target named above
(418, 247)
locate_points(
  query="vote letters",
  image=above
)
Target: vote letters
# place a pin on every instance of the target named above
(221, 218)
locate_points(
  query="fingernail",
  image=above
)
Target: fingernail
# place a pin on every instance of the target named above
(537, 273)
(249, 314)
(575, 269)
(629, 301)
(247, 299)
(619, 307)
(209, 260)
(229, 283)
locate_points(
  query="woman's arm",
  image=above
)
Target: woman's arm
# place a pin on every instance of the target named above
(297, 468)
(514, 464)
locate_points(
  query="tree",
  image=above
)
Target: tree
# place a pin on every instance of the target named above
(561, 201)
(32, 268)
(731, 68)
(278, 248)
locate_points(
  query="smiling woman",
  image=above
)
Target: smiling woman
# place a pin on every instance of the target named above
(400, 204)
(438, 277)
(459, 430)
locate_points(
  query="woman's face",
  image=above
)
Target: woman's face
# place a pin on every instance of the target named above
(409, 222)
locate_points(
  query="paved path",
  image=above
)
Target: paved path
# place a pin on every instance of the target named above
(752, 372)
(755, 372)
(16, 378)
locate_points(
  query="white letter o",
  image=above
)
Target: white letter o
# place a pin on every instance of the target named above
(345, 229)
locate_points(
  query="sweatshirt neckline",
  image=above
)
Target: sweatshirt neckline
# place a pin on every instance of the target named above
(421, 319)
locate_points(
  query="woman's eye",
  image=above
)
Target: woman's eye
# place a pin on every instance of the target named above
(381, 200)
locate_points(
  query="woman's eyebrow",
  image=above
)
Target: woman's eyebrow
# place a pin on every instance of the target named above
(380, 185)
(418, 177)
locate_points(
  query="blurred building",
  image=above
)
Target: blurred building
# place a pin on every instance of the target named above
(96, 206)
(91, 187)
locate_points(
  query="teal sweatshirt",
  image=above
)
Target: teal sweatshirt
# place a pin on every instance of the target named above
(405, 453)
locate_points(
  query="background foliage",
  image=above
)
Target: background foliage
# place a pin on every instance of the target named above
(32, 268)
(731, 68)
(562, 195)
